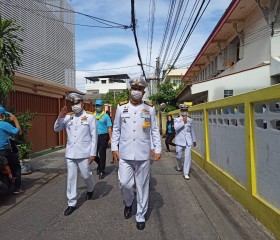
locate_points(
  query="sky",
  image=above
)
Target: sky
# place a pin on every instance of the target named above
(98, 49)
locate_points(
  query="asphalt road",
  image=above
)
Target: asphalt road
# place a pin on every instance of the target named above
(178, 209)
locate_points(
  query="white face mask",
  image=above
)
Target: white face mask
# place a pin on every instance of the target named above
(184, 113)
(137, 95)
(77, 108)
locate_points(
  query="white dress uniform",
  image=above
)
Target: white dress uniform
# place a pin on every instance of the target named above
(81, 144)
(185, 137)
(135, 130)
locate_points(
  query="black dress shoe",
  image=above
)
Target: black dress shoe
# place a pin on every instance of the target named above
(140, 225)
(101, 175)
(69, 210)
(127, 212)
(89, 195)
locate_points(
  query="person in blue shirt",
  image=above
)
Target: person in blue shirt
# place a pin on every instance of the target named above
(7, 130)
(170, 133)
(104, 130)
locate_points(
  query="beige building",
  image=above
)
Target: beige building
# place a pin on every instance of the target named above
(175, 76)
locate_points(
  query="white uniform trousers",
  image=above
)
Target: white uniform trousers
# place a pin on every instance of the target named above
(72, 172)
(187, 162)
(138, 171)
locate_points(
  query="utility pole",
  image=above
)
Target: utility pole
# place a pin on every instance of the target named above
(157, 73)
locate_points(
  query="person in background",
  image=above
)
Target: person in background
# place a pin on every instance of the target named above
(6, 130)
(170, 133)
(109, 114)
(81, 128)
(185, 139)
(109, 145)
(104, 129)
(135, 140)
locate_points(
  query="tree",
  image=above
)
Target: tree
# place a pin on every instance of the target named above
(166, 94)
(10, 55)
(114, 98)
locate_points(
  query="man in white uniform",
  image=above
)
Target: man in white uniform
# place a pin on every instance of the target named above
(185, 139)
(81, 146)
(135, 130)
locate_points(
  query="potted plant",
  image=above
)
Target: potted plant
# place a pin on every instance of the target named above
(25, 146)
(25, 150)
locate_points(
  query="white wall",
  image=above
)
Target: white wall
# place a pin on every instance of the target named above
(257, 42)
(267, 151)
(239, 83)
(104, 88)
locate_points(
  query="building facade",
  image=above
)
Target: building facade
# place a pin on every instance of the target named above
(240, 55)
(48, 38)
(175, 76)
(98, 85)
(47, 73)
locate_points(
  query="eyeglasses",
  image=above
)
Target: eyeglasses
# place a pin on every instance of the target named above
(137, 88)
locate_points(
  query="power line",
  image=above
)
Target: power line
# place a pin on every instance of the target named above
(133, 23)
(184, 31)
(171, 34)
(93, 70)
(178, 29)
(103, 21)
(194, 24)
(167, 25)
(149, 21)
(54, 19)
(152, 9)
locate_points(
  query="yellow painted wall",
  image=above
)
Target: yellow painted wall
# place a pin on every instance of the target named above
(266, 213)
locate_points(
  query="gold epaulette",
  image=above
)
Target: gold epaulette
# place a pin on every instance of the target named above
(123, 102)
(70, 113)
(89, 112)
(149, 103)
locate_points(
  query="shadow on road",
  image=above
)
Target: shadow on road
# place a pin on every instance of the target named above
(101, 189)
(155, 199)
(28, 182)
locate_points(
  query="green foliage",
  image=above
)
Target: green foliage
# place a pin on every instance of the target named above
(181, 87)
(166, 94)
(25, 150)
(10, 55)
(115, 98)
(25, 122)
(6, 86)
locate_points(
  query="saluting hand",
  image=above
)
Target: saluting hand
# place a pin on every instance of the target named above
(63, 112)
(116, 157)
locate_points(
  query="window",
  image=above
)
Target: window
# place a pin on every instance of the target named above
(103, 81)
(228, 93)
(177, 82)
